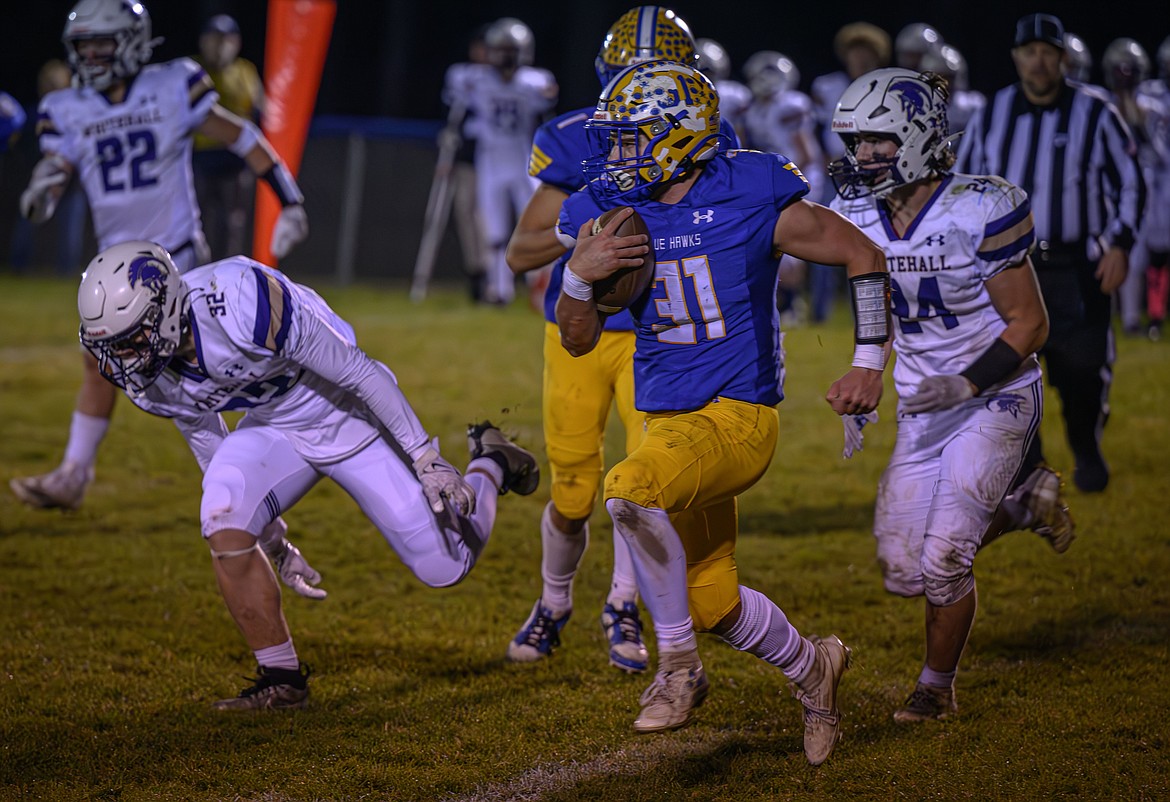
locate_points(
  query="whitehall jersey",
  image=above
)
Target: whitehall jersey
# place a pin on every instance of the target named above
(251, 329)
(134, 158)
(558, 149)
(972, 228)
(502, 115)
(708, 325)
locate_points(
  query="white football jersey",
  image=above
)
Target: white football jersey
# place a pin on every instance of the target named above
(134, 158)
(503, 115)
(971, 229)
(249, 324)
(773, 125)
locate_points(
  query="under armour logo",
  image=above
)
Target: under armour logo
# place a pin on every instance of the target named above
(935, 239)
(704, 217)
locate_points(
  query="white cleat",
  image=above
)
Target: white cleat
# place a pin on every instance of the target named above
(61, 488)
(679, 687)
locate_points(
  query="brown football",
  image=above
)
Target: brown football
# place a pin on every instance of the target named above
(617, 291)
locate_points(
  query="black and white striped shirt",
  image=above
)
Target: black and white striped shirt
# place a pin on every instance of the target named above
(1075, 158)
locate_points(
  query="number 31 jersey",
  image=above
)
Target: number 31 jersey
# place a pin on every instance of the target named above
(972, 228)
(134, 158)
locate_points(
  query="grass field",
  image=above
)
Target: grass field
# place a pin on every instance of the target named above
(113, 639)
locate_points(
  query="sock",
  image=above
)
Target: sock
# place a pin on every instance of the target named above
(624, 587)
(560, 557)
(764, 630)
(281, 656)
(85, 435)
(661, 570)
(937, 679)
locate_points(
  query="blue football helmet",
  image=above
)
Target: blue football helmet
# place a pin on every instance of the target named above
(654, 122)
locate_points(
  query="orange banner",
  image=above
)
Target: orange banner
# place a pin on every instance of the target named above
(298, 38)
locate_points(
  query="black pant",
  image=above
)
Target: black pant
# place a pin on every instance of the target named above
(1079, 352)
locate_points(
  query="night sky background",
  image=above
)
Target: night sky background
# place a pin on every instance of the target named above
(388, 58)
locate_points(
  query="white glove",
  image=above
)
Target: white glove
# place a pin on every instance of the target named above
(938, 392)
(39, 200)
(290, 564)
(854, 439)
(440, 481)
(291, 229)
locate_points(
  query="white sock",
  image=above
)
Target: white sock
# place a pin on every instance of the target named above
(560, 557)
(624, 587)
(937, 679)
(764, 630)
(85, 435)
(490, 467)
(282, 656)
(661, 571)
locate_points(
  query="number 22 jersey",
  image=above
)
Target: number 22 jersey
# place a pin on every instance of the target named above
(134, 158)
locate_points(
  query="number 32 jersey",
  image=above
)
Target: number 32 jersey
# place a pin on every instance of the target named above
(972, 228)
(134, 158)
(708, 326)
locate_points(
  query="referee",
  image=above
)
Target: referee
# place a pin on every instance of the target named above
(1068, 148)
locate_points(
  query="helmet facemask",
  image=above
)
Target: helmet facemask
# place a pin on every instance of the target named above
(126, 23)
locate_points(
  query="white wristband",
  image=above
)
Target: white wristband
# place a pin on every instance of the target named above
(249, 136)
(576, 287)
(869, 356)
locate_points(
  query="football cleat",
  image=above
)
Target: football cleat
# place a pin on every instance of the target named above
(623, 628)
(678, 688)
(272, 689)
(538, 637)
(927, 703)
(61, 488)
(818, 693)
(1038, 504)
(521, 471)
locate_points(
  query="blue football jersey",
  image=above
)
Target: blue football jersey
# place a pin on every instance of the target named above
(708, 325)
(559, 147)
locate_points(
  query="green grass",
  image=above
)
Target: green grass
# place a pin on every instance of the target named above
(113, 639)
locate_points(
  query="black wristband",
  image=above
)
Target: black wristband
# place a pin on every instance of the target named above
(994, 365)
(283, 184)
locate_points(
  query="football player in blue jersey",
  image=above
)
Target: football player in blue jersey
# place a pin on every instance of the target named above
(708, 367)
(236, 335)
(970, 319)
(125, 128)
(578, 393)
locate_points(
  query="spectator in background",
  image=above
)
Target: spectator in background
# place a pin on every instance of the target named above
(69, 228)
(1154, 100)
(1067, 147)
(224, 185)
(861, 47)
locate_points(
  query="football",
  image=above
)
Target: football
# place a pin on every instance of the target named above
(617, 291)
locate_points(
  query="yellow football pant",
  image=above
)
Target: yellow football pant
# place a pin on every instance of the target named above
(698, 462)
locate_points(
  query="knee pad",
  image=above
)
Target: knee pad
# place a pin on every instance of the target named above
(436, 564)
(222, 504)
(901, 573)
(634, 480)
(946, 572)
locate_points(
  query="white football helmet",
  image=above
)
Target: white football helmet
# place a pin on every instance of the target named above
(510, 43)
(1164, 59)
(913, 42)
(126, 22)
(948, 62)
(1125, 63)
(769, 72)
(1078, 61)
(904, 106)
(133, 308)
(713, 59)
(670, 110)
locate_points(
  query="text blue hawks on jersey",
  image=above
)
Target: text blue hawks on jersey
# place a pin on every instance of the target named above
(559, 147)
(708, 323)
(134, 158)
(972, 228)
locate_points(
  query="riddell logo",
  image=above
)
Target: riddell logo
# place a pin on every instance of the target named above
(843, 125)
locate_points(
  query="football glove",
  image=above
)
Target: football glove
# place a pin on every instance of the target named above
(854, 439)
(292, 227)
(39, 200)
(290, 564)
(938, 392)
(441, 483)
